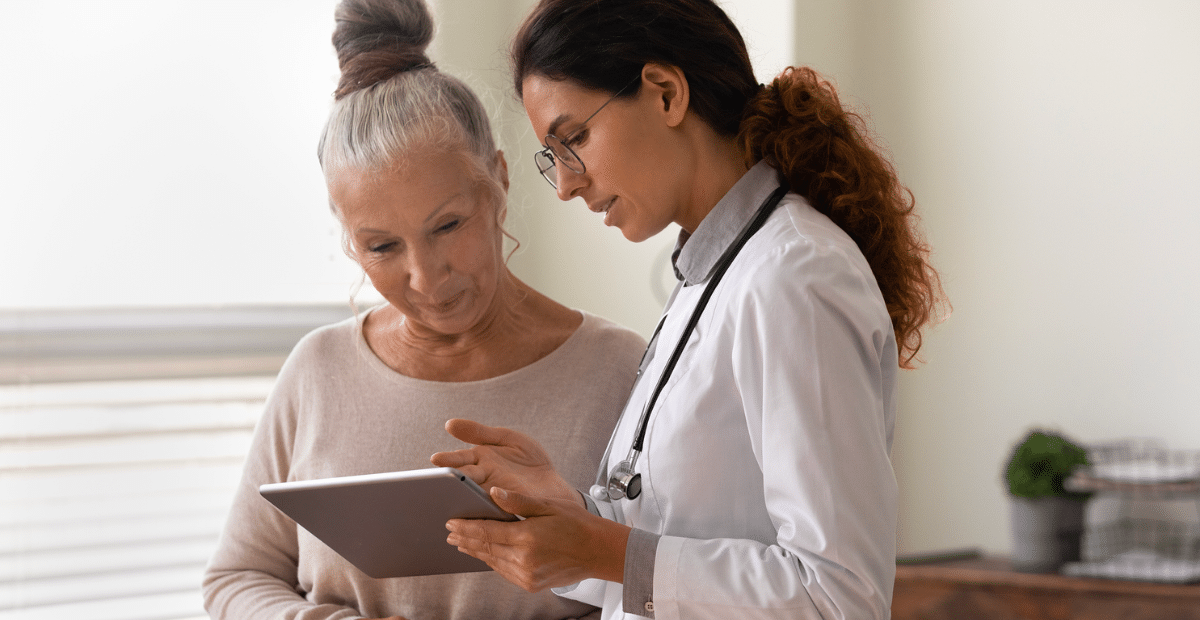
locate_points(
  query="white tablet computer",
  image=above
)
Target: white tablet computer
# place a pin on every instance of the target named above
(391, 524)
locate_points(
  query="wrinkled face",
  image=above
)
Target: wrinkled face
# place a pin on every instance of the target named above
(625, 150)
(428, 236)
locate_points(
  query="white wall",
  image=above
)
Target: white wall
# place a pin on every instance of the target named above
(164, 153)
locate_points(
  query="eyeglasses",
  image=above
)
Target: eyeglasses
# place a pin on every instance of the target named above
(557, 149)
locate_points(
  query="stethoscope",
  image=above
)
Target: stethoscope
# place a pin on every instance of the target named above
(623, 481)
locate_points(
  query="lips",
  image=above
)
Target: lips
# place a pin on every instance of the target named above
(602, 207)
(448, 303)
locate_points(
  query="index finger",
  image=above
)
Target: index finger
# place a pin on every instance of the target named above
(481, 434)
(456, 458)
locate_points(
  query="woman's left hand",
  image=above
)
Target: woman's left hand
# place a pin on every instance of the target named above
(557, 544)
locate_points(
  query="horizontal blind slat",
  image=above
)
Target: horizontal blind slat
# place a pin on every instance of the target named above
(69, 511)
(102, 560)
(34, 538)
(140, 583)
(119, 482)
(105, 451)
(78, 422)
(169, 606)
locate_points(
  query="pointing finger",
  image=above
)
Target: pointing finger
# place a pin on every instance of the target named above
(481, 434)
(456, 458)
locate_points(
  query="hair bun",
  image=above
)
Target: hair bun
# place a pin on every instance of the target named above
(377, 39)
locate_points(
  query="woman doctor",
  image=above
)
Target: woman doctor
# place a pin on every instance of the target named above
(749, 476)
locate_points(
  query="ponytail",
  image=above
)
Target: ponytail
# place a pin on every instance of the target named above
(798, 125)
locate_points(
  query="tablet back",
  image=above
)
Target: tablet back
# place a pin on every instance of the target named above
(391, 524)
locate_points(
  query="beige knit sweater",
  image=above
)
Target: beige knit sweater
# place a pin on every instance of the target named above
(338, 410)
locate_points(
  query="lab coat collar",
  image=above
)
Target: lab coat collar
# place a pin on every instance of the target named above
(697, 255)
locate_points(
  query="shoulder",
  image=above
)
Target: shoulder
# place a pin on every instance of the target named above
(331, 336)
(799, 239)
(328, 344)
(599, 335)
(800, 256)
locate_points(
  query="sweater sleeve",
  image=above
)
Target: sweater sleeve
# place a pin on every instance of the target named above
(253, 573)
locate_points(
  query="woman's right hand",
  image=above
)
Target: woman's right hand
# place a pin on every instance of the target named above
(505, 458)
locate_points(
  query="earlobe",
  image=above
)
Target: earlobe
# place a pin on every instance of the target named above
(671, 87)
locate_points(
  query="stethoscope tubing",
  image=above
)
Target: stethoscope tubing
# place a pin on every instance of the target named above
(602, 492)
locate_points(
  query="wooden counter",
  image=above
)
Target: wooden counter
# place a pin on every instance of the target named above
(988, 589)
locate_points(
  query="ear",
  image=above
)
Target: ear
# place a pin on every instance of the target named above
(502, 164)
(670, 87)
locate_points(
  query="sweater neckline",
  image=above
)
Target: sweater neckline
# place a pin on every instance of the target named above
(375, 363)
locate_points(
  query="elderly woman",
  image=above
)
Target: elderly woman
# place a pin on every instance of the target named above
(419, 187)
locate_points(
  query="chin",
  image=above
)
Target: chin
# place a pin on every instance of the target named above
(638, 234)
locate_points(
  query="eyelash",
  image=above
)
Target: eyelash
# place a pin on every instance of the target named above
(577, 138)
(443, 229)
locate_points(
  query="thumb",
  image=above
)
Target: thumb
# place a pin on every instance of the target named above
(520, 504)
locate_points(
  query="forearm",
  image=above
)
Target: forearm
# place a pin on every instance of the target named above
(249, 595)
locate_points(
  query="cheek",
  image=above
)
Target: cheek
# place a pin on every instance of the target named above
(628, 162)
(381, 272)
(477, 254)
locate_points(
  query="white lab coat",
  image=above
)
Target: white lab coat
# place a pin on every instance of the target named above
(766, 466)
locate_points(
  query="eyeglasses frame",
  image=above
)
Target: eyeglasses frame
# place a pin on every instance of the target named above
(549, 173)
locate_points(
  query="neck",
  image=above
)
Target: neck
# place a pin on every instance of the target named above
(466, 356)
(719, 164)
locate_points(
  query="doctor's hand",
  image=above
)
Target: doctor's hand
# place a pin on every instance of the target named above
(505, 458)
(558, 543)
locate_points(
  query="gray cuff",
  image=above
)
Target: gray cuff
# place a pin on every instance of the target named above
(638, 587)
(591, 504)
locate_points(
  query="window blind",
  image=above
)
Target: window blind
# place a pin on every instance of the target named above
(114, 491)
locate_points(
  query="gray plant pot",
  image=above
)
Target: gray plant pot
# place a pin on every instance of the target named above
(1046, 531)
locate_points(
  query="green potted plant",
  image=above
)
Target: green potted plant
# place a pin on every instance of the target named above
(1047, 519)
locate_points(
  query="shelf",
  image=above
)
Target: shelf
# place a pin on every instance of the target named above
(988, 587)
(1082, 482)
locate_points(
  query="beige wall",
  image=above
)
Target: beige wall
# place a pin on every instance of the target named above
(1052, 150)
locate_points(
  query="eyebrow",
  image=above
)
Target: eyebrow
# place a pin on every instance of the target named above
(556, 123)
(437, 211)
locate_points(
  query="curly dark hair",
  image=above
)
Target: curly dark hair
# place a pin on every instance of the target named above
(797, 124)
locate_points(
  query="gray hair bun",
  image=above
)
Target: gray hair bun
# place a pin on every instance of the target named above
(377, 39)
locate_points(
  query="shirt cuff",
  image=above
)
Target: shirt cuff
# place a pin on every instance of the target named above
(591, 504)
(638, 582)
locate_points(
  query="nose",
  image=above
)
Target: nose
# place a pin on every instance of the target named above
(427, 270)
(569, 182)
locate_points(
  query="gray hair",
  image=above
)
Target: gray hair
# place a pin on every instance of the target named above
(393, 103)
(378, 126)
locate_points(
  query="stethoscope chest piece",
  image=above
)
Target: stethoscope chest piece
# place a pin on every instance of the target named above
(624, 483)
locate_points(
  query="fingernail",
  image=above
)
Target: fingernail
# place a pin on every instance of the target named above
(501, 493)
